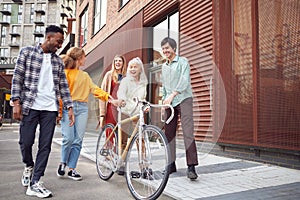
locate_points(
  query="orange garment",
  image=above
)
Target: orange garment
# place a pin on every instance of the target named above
(81, 85)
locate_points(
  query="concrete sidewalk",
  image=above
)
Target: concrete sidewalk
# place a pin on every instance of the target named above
(220, 178)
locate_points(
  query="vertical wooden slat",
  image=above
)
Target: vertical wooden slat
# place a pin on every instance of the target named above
(255, 62)
(196, 44)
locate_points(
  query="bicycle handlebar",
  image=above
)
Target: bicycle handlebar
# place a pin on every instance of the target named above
(157, 106)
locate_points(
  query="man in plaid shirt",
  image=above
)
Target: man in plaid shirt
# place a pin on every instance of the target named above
(38, 83)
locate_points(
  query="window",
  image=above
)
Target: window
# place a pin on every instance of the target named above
(13, 40)
(100, 14)
(3, 31)
(2, 41)
(20, 8)
(20, 18)
(42, 6)
(40, 18)
(31, 19)
(7, 7)
(3, 34)
(167, 28)
(14, 29)
(4, 52)
(6, 18)
(123, 2)
(83, 28)
(39, 29)
(32, 8)
(31, 16)
(38, 40)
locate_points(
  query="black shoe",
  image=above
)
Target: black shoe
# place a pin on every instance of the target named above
(173, 168)
(61, 170)
(147, 173)
(135, 174)
(191, 172)
(73, 174)
(121, 171)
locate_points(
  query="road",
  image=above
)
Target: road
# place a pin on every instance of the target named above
(91, 187)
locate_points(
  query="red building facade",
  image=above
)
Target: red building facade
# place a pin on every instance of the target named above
(244, 58)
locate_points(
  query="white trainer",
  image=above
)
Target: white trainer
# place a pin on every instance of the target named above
(38, 189)
(27, 173)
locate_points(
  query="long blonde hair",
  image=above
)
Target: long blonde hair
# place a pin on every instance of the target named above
(114, 71)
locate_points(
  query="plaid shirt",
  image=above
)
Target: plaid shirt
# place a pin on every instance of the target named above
(26, 77)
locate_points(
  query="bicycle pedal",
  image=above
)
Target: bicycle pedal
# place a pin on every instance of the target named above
(104, 152)
(135, 174)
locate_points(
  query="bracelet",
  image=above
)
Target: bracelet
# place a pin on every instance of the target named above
(102, 115)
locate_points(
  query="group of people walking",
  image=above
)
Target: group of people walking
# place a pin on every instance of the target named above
(47, 87)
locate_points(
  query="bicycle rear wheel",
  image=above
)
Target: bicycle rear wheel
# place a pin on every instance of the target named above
(106, 152)
(147, 171)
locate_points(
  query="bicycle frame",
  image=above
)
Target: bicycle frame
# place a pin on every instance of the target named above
(145, 158)
(137, 129)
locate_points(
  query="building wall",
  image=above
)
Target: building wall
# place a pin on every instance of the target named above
(257, 58)
(106, 43)
(232, 102)
(26, 28)
(116, 18)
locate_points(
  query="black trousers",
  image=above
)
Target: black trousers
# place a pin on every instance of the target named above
(185, 111)
(47, 122)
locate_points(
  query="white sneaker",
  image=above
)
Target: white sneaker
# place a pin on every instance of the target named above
(38, 190)
(27, 173)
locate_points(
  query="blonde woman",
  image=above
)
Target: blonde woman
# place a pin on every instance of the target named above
(133, 85)
(81, 85)
(110, 84)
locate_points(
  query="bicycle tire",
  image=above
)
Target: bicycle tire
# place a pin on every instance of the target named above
(106, 153)
(148, 179)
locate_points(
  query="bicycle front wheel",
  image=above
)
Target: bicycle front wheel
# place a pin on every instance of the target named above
(106, 152)
(147, 164)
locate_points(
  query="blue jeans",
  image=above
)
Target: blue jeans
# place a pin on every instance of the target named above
(73, 135)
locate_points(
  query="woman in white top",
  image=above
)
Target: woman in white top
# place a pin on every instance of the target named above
(133, 85)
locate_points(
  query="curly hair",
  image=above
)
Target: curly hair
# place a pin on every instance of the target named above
(54, 29)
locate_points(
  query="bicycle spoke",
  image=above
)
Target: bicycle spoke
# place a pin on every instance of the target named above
(146, 177)
(106, 152)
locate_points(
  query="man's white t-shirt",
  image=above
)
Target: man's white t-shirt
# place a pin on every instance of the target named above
(46, 98)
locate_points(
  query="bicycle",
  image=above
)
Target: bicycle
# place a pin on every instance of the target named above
(146, 155)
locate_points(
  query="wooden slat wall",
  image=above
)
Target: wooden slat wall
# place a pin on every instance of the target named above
(157, 9)
(196, 44)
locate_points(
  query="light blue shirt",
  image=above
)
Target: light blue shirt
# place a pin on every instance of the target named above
(176, 78)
